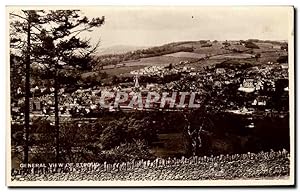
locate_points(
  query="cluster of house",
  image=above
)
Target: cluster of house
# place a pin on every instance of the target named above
(251, 81)
(259, 84)
(161, 71)
(250, 85)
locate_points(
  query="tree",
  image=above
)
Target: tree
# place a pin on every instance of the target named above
(257, 56)
(62, 46)
(53, 40)
(21, 48)
(196, 121)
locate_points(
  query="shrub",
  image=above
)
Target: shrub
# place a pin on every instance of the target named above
(251, 45)
(283, 59)
(125, 152)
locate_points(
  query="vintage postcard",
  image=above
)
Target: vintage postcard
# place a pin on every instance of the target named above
(150, 96)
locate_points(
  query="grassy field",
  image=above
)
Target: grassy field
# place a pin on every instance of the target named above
(122, 70)
(186, 55)
(126, 67)
(159, 60)
(233, 56)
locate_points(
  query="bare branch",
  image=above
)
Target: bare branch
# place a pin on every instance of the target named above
(12, 14)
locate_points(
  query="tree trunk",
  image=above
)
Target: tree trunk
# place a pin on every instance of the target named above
(27, 95)
(56, 87)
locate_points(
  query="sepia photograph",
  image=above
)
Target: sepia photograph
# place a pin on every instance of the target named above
(150, 96)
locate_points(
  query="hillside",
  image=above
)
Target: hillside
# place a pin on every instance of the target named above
(197, 54)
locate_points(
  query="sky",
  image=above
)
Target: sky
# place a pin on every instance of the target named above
(151, 26)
